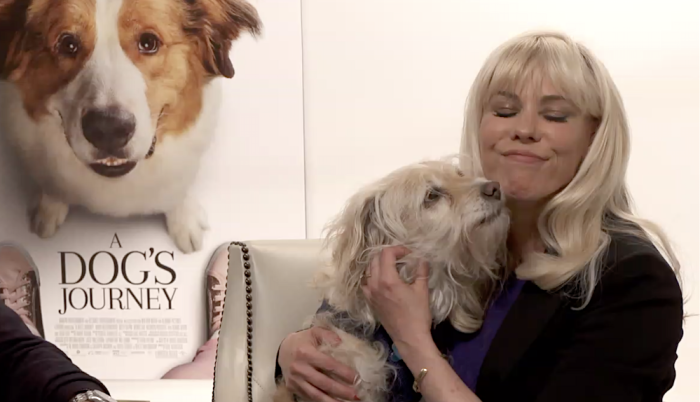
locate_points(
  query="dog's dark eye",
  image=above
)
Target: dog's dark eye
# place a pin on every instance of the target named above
(432, 196)
(149, 43)
(68, 45)
(460, 173)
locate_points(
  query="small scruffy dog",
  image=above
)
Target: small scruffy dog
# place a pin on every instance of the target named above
(457, 223)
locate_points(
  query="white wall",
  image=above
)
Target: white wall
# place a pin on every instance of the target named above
(385, 83)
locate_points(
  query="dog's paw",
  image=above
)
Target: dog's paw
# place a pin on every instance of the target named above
(186, 226)
(47, 216)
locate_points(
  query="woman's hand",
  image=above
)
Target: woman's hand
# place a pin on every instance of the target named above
(403, 309)
(306, 370)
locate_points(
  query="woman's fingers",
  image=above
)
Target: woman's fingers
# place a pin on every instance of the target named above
(328, 385)
(319, 382)
(322, 334)
(373, 273)
(390, 255)
(388, 274)
(422, 274)
(382, 269)
(323, 362)
(387, 266)
(312, 393)
(312, 373)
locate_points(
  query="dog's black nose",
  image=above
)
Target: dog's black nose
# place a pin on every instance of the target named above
(108, 129)
(491, 190)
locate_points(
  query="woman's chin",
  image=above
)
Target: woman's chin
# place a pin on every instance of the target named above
(522, 195)
(519, 186)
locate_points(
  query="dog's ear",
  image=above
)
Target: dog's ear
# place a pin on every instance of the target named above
(351, 237)
(216, 24)
(13, 17)
(354, 232)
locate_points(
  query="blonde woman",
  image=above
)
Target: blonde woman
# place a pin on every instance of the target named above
(594, 311)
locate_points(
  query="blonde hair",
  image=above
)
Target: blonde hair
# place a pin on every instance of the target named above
(577, 222)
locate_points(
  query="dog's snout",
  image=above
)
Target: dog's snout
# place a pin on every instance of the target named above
(491, 190)
(108, 129)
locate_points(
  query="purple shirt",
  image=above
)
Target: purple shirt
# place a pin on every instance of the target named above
(466, 351)
(468, 356)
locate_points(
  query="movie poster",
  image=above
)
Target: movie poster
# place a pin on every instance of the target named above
(124, 170)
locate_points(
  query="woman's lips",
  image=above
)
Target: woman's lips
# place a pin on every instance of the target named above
(523, 157)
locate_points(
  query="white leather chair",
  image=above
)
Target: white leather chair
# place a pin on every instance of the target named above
(268, 296)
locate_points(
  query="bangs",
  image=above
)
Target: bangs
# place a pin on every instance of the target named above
(524, 65)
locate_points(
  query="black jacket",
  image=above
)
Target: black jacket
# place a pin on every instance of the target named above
(32, 369)
(620, 348)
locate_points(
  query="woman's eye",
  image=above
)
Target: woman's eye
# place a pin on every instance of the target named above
(504, 113)
(556, 118)
(68, 45)
(149, 43)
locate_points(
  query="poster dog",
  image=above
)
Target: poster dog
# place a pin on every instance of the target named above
(110, 104)
(457, 223)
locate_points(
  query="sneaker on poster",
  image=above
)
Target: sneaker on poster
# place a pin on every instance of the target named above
(217, 271)
(19, 286)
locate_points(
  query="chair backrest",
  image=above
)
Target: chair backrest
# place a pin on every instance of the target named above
(268, 296)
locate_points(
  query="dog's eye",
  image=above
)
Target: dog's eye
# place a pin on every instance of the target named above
(149, 43)
(68, 45)
(460, 173)
(432, 196)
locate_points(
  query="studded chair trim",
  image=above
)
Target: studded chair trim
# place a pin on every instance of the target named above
(245, 255)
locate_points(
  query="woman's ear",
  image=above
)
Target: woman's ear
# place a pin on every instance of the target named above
(593, 126)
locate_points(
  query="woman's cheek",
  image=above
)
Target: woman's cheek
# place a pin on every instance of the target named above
(489, 165)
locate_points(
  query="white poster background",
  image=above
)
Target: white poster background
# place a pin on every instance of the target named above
(251, 185)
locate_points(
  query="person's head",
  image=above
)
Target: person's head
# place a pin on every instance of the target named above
(539, 107)
(545, 119)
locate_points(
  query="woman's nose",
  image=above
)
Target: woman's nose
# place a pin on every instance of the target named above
(525, 129)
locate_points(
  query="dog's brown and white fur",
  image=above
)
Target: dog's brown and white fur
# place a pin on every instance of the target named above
(110, 104)
(457, 223)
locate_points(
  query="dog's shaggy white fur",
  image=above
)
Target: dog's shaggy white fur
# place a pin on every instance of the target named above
(457, 223)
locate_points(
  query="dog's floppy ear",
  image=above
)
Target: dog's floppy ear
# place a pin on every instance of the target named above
(217, 23)
(13, 17)
(351, 237)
